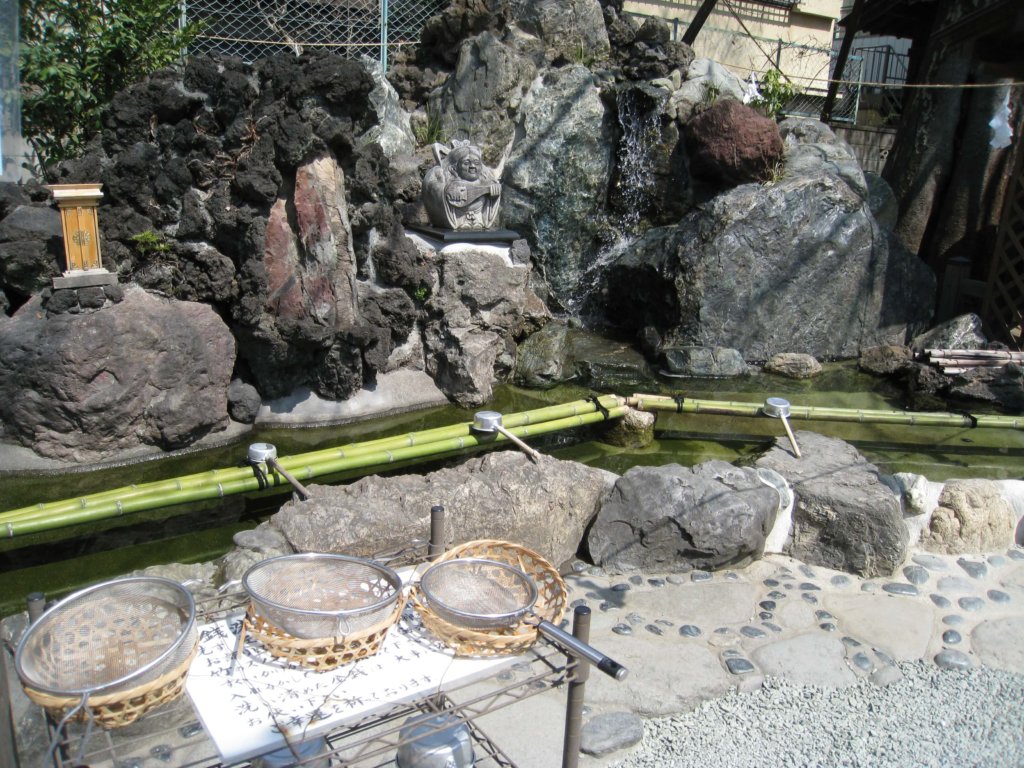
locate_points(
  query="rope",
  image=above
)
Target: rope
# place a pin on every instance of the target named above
(257, 470)
(597, 404)
(868, 83)
(679, 402)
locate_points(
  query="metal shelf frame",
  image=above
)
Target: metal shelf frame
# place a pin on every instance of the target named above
(173, 735)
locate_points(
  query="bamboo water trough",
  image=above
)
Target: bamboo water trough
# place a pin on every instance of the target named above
(432, 443)
(818, 413)
(374, 454)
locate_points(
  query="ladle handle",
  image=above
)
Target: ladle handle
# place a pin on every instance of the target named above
(791, 436)
(526, 449)
(273, 464)
(577, 647)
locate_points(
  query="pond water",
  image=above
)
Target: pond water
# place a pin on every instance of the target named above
(58, 562)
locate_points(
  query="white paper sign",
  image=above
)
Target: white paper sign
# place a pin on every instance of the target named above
(245, 708)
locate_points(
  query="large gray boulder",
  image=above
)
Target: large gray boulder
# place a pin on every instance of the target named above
(479, 98)
(970, 516)
(148, 371)
(481, 305)
(675, 518)
(544, 506)
(571, 30)
(844, 516)
(798, 265)
(557, 177)
(31, 248)
(560, 352)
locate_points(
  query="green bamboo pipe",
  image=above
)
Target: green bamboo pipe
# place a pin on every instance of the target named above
(810, 412)
(39, 520)
(231, 474)
(331, 466)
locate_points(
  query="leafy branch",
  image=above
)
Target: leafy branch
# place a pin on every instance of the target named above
(75, 56)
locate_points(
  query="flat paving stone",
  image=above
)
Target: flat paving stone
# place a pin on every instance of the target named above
(739, 666)
(810, 659)
(999, 643)
(931, 562)
(973, 568)
(956, 584)
(949, 658)
(611, 732)
(971, 603)
(899, 588)
(902, 627)
(916, 574)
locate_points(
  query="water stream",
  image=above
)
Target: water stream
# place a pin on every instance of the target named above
(639, 114)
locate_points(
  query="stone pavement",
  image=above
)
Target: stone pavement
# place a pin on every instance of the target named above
(687, 638)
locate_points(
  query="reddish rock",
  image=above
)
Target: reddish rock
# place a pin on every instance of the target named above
(732, 144)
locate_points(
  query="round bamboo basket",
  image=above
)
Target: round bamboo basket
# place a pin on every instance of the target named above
(110, 652)
(114, 710)
(550, 605)
(320, 654)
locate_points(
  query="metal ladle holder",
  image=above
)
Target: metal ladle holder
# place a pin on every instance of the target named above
(778, 408)
(267, 454)
(489, 423)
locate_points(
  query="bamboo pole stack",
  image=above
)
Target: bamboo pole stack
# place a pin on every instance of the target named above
(819, 413)
(369, 455)
(951, 361)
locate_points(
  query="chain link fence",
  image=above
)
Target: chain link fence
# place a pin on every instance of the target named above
(811, 99)
(254, 29)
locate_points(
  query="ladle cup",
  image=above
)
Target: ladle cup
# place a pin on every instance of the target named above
(490, 421)
(778, 408)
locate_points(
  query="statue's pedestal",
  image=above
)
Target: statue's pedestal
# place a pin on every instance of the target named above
(85, 278)
(466, 235)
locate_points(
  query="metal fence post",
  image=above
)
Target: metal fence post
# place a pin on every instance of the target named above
(436, 546)
(384, 36)
(574, 703)
(8, 750)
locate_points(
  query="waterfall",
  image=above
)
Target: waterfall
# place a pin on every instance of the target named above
(634, 188)
(640, 120)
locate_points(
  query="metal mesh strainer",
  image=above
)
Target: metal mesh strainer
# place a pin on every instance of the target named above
(481, 595)
(322, 595)
(478, 593)
(109, 637)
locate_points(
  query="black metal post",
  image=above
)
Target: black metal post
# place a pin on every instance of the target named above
(8, 749)
(852, 27)
(574, 703)
(698, 21)
(436, 546)
(36, 605)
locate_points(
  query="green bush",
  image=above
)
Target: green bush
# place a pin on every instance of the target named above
(776, 93)
(77, 54)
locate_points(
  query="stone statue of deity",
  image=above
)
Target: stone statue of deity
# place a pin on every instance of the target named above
(460, 192)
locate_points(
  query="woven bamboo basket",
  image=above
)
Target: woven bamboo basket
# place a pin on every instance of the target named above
(111, 652)
(114, 710)
(320, 654)
(550, 605)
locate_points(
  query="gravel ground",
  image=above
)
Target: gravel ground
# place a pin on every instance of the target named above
(932, 717)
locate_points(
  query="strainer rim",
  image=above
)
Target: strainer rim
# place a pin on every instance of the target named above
(389, 574)
(505, 617)
(185, 630)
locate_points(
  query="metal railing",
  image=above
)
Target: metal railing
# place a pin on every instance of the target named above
(254, 29)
